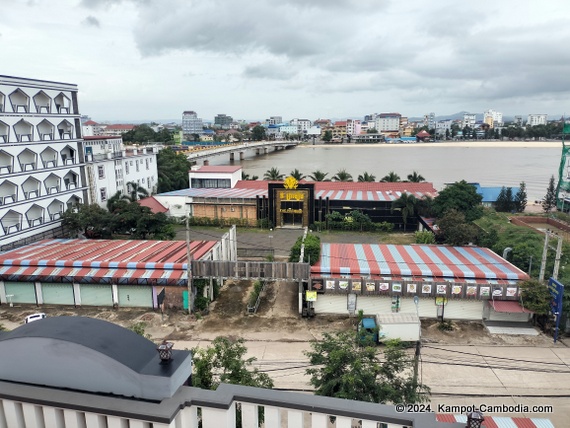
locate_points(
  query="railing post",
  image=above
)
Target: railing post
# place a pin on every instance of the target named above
(249, 415)
(219, 418)
(294, 418)
(273, 416)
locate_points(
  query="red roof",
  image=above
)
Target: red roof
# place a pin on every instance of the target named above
(153, 204)
(105, 261)
(511, 307)
(90, 122)
(128, 127)
(340, 123)
(423, 133)
(100, 137)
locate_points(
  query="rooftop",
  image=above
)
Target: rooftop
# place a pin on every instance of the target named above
(216, 169)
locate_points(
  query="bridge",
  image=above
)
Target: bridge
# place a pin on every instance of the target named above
(260, 147)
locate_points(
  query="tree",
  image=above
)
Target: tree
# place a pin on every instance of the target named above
(535, 297)
(414, 177)
(342, 175)
(117, 201)
(312, 249)
(521, 198)
(136, 191)
(172, 170)
(460, 196)
(297, 175)
(92, 220)
(327, 136)
(372, 131)
(406, 204)
(391, 177)
(455, 229)
(549, 201)
(224, 362)
(318, 175)
(273, 174)
(424, 237)
(505, 201)
(366, 177)
(258, 133)
(342, 368)
(245, 176)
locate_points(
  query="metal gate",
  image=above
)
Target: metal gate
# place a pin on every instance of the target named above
(138, 296)
(20, 292)
(96, 295)
(464, 310)
(57, 294)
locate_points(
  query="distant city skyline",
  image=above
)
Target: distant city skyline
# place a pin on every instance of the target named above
(137, 60)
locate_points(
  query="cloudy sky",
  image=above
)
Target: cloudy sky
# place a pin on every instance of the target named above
(251, 59)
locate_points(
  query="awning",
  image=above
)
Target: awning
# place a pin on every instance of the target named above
(509, 306)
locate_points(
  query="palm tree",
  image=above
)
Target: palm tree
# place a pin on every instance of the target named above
(415, 177)
(116, 201)
(342, 175)
(297, 175)
(273, 174)
(245, 176)
(136, 192)
(366, 177)
(392, 177)
(318, 175)
(406, 204)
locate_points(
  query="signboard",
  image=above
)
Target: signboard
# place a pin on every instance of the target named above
(311, 296)
(557, 292)
(440, 301)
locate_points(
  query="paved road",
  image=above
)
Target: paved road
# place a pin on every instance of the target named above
(457, 375)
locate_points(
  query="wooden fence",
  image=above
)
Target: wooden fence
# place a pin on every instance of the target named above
(277, 271)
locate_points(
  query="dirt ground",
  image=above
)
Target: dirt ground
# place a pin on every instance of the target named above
(276, 320)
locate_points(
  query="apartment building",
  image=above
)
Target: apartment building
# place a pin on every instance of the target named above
(536, 119)
(303, 125)
(42, 170)
(493, 118)
(388, 122)
(110, 167)
(191, 123)
(469, 120)
(222, 121)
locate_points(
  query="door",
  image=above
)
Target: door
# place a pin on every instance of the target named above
(58, 294)
(96, 295)
(137, 296)
(20, 292)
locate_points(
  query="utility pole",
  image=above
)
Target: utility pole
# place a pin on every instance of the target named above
(189, 267)
(557, 259)
(544, 254)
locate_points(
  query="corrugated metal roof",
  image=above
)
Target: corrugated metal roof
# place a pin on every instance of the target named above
(500, 421)
(86, 260)
(436, 261)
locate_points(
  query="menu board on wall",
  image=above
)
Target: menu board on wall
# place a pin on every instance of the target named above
(370, 286)
(456, 289)
(412, 288)
(511, 291)
(356, 286)
(441, 288)
(471, 290)
(330, 284)
(485, 291)
(426, 289)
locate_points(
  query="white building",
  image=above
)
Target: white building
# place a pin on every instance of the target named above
(536, 119)
(353, 127)
(469, 120)
(429, 120)
(303, 125)
(274, 120)
(191, 123)
(442, 126)
(90, 128)
(41, 158)
(388, 122)
(110, 167)
(493, 118)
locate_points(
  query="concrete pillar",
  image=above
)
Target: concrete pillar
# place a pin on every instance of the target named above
(232, 156)
(319, 420)
(206, 162)
(115, 292)
(273, 417)
(39, 295)
(220, 418)
(343, 422)
(257, 151)
(265, 150)
(188, 417)
(76, 294)
(54, 417)
(249, 415)
(294, 418)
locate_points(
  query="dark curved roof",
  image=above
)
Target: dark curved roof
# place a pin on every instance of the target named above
(118, 343)
(86, 354)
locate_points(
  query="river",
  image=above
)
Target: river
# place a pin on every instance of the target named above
(492, 164)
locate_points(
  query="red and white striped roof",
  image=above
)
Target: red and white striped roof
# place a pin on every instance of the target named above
(86, 260)
(499, 421)
(428, 261)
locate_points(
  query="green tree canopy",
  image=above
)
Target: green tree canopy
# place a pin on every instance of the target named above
(455, 229)
(391, 177)
(505, 201)
(406, 204)
(258, 133)
(136, 191)
(460, 196)
(91, 220)
(273, 174)
(145, 134)
(342, 368)
(549, 201)
(535, 297)
(327, 136)
(297, 175)
(224, 362)
(414, 177)
(366, 177)
(318, 175)
(172, 170)
(342, 175)
(312, 249)
(521, 198)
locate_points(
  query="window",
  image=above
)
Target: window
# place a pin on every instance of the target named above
(127, 168)
(101, 170)
(137, 165)
(147, 164)
(103, 191)
(213, 183)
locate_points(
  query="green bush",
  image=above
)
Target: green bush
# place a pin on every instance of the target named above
(425, 237)
(384, 227)
(257, 288)
(312, 249)
(201, 303)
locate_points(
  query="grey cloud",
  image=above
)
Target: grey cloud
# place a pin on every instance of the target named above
(97, 4)
(91, 21)
(269, 71)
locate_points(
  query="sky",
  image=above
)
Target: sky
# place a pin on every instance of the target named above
(136, 60)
